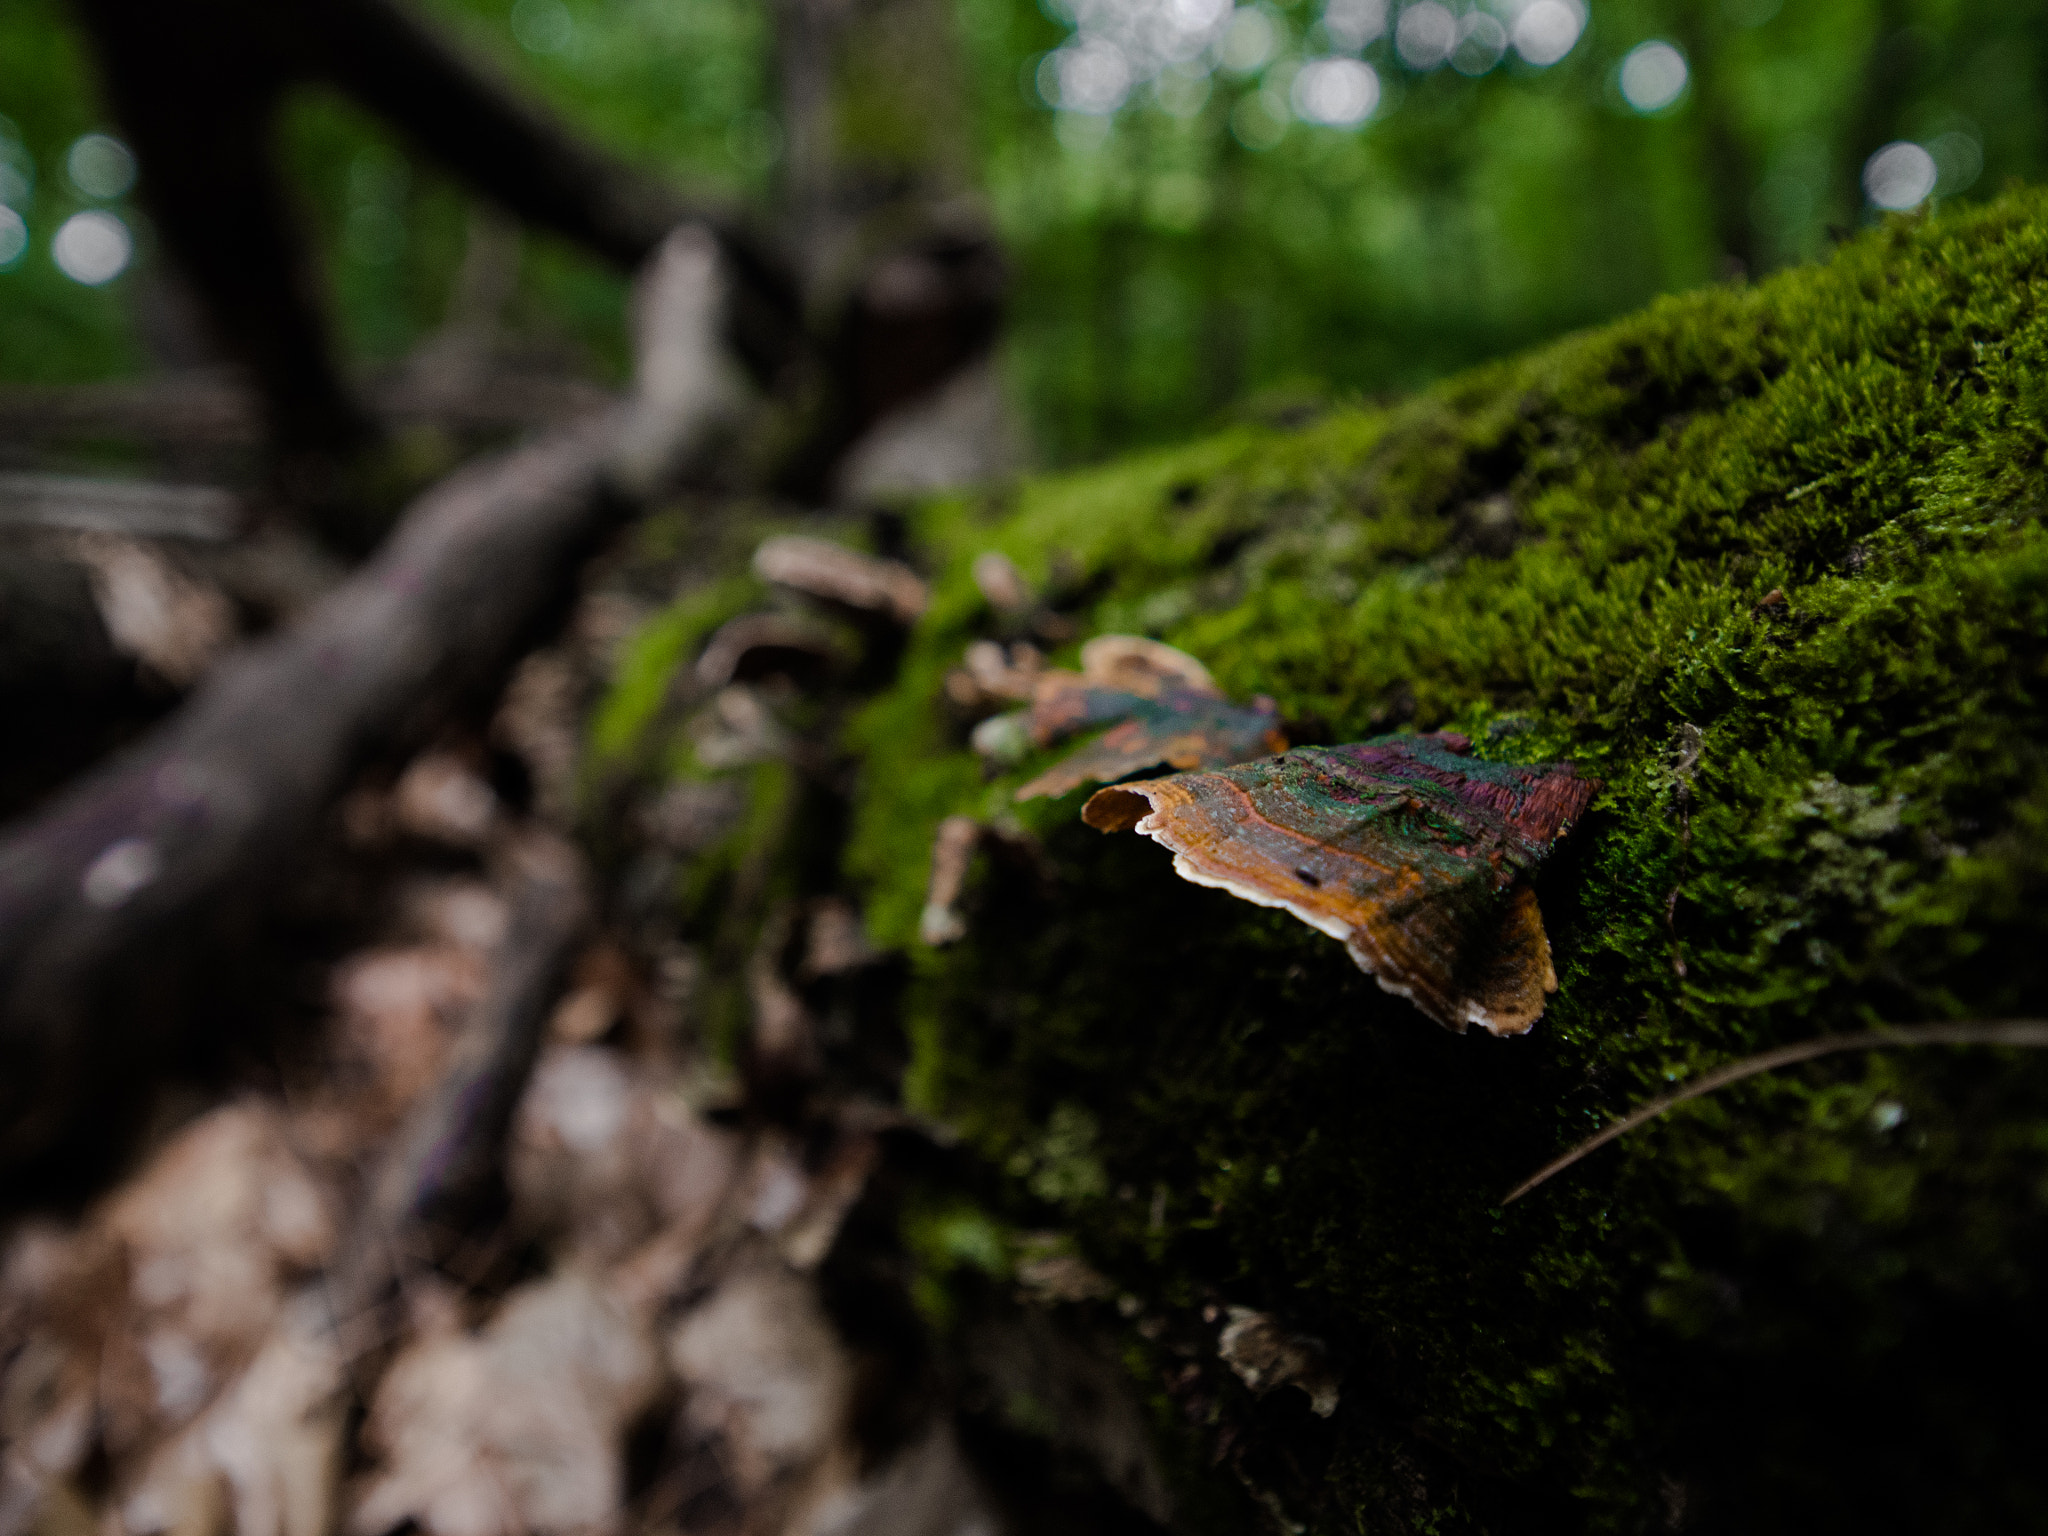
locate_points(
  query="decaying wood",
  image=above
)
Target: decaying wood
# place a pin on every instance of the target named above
(114, 903)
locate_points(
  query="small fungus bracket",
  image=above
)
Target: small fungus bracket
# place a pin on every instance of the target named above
(1406, 850)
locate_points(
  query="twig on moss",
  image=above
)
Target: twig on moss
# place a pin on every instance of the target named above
(2024, 1032)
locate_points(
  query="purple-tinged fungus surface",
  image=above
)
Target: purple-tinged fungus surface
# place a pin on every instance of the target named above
(1407, 851)
(1161, 707)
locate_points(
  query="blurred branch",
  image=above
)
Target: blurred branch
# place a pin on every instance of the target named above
(117, 904)
(196, 85)
(446, 1155)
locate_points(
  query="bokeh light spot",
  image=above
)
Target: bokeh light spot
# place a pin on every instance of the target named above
(17, 172)
(543, 26)
(1251, 40)
(100, 166)
(1546, 30)
(1425, 35)
(1351, 24)
(13, 237)
(1653, 76)
(1179, 202)
(1338, 93)
(1958, 160)
(1900, 176)
(1089, 75)
(1482, 40)
(92, 248)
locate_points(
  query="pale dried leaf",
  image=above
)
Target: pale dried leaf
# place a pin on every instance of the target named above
(515, 1430)
(763, 1370)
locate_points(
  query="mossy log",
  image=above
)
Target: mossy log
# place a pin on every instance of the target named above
(1768, 562)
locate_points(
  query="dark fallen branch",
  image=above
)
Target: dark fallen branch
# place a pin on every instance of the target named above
(440, 1166)
(2020, 1032)
(119, 905)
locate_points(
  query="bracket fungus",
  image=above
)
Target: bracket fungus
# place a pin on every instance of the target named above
(1161, 707)
(1407, 851)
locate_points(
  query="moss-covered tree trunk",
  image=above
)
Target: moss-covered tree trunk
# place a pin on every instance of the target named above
(1768, 562)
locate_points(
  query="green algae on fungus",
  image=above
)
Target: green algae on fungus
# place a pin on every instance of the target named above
(1404, 849)
(1777, 1311)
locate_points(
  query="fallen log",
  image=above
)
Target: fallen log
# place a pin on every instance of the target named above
(118, 904)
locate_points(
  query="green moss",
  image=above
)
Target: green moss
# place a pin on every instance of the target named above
(649, 661)
(1788, 1306)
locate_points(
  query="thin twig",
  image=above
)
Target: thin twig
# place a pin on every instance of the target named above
(2025, 1032)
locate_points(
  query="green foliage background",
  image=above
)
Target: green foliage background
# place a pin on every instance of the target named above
(1166, 272)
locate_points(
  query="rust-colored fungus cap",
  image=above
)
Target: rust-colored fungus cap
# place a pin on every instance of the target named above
(1405, 850)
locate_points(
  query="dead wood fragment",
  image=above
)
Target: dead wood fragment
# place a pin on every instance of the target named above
(1265, 1355)
(758, 645)
(952, 856)
(1005, 587)
(836, 575)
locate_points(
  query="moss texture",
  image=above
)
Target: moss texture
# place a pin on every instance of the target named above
(1813, 1300)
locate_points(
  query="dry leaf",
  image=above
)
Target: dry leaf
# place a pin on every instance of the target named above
(1405, 850)
(153, 611)
(441, 798)
(601, 1160)
(398, 1010)
(952, 856)
(213, 1231)
(268, 1450)
(516, 1431)
(763, 1371)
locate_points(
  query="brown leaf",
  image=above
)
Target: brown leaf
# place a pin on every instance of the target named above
(764, 1372)
(518, 1429)
(601, 1160)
